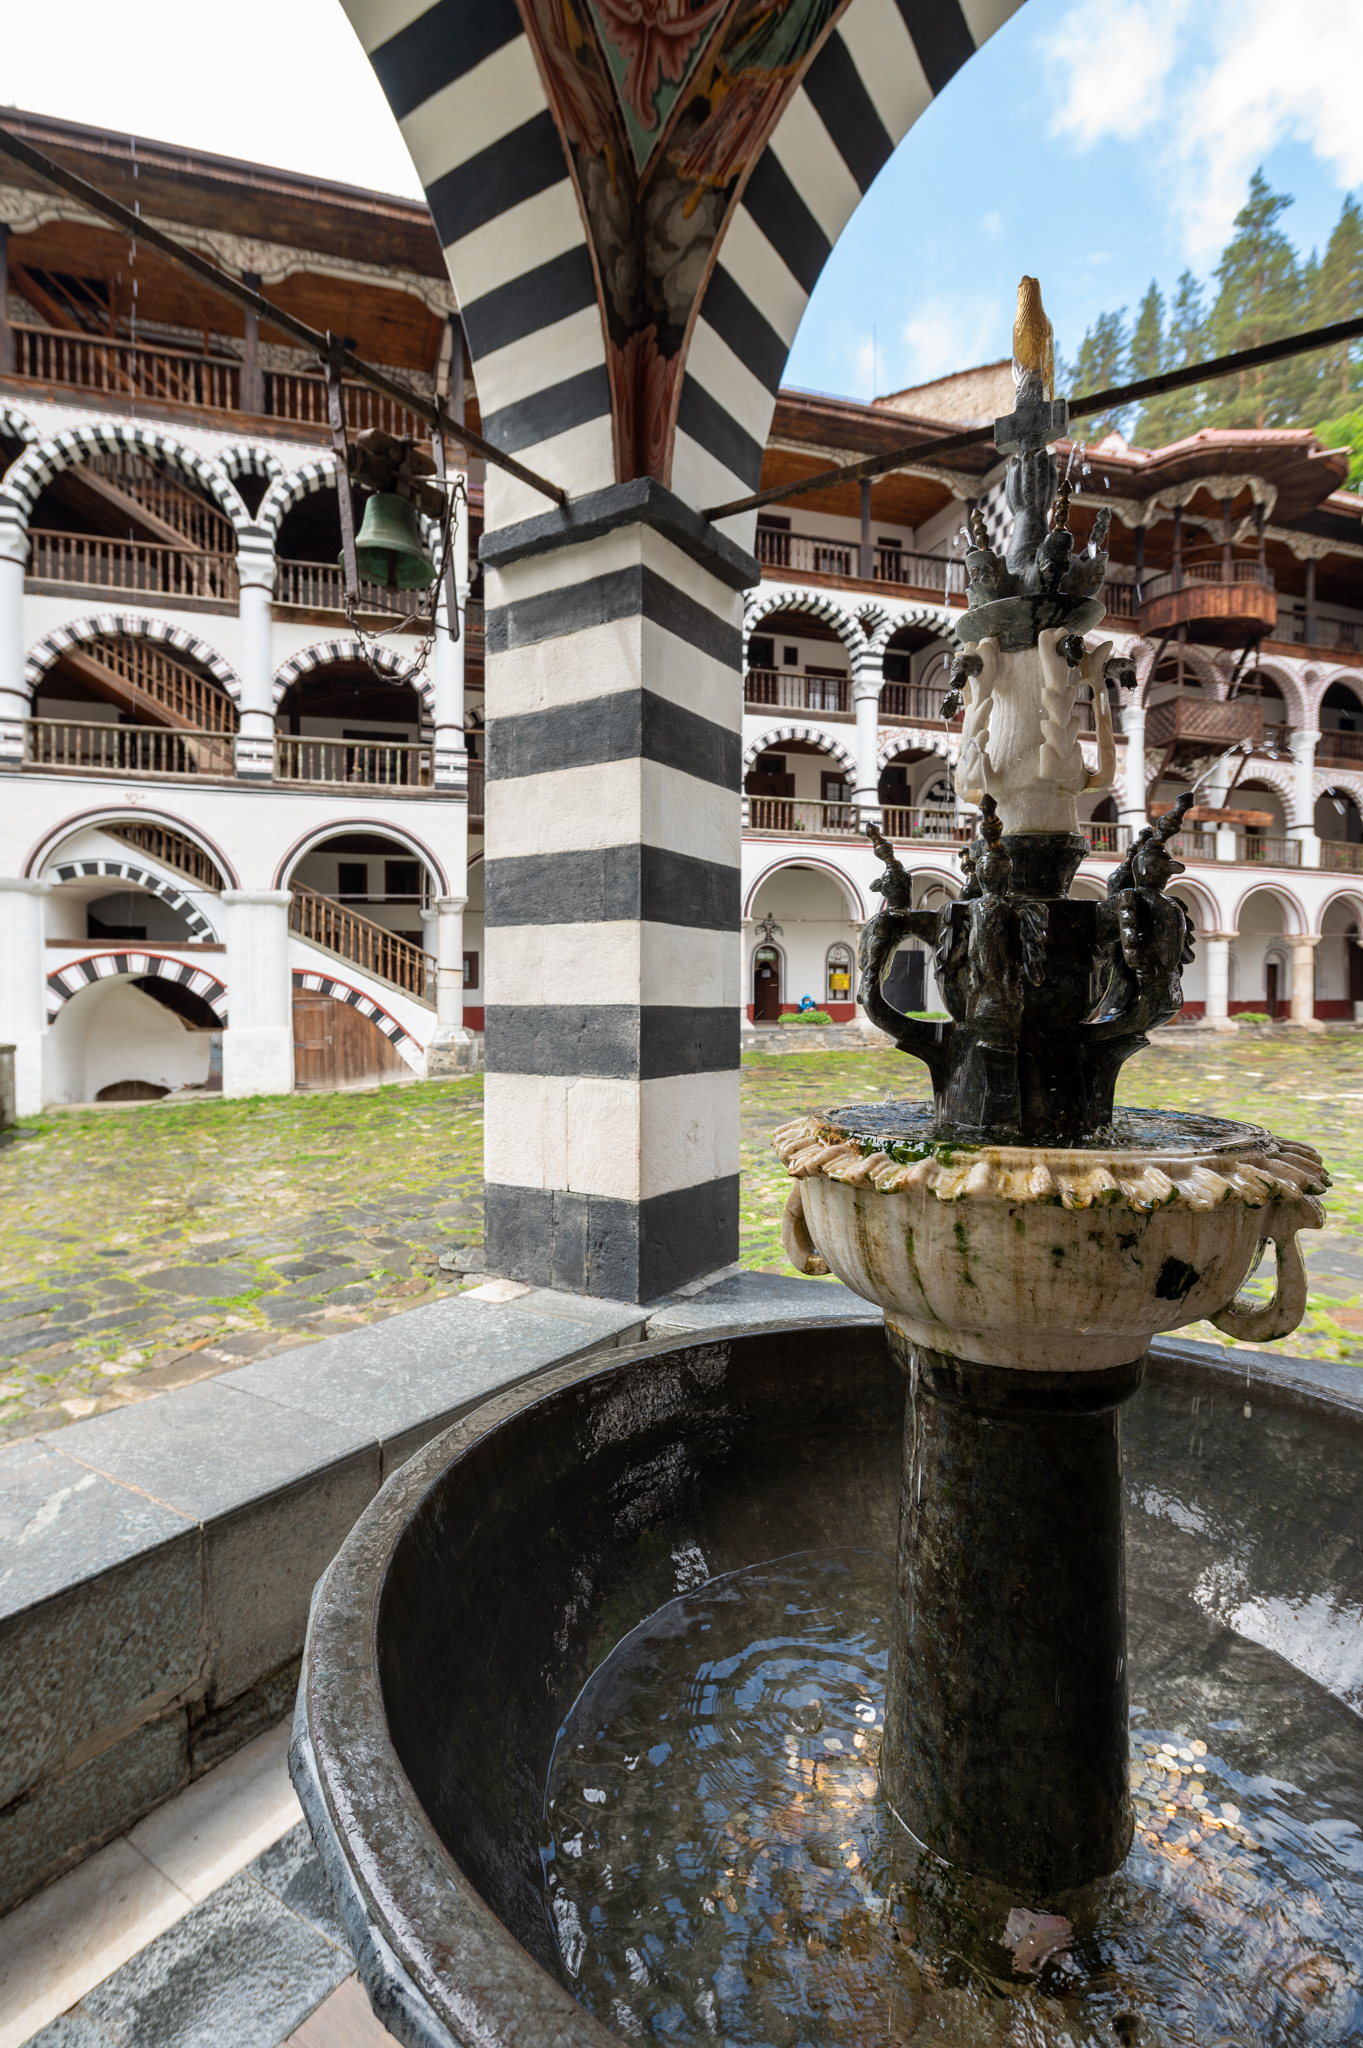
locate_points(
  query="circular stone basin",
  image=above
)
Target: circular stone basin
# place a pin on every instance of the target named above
(497, 1570)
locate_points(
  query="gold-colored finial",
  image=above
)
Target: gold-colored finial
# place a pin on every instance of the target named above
(1033, 337)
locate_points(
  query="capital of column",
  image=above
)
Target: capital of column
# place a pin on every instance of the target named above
(255, 560)
(1304, 941)
(13, 535)
(279, 899)
(449, 905)
(641, 502)
(1303, 743)
(25, 885)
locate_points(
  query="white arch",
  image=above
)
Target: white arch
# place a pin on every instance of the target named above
(19, 425)
(852, 896)
(130, 626)
(251, 458)
(1204, 901)
(317, 834)
(68, 980)
(291, 485)
(202, 928)
(48, 847)
(1352, 895)
(1289, 904)
(774, 735)
(327, 653)
(45, 459)
(927, 618)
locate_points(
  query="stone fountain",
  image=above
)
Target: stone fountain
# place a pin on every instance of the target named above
(582, 1750)
(1024, 1239)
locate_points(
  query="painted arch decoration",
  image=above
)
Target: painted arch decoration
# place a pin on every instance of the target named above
(69, 980)
(201, 930)
(328, 653)
(43, 460)
(308, 983)
(635, 199)
(127, 626)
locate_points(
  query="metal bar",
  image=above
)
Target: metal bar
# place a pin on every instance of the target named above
(207, 273)
(451, 513)
(344, 503)
(1080, 408)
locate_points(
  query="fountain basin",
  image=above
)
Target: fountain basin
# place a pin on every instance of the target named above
(1049, 1259)
(493, 1573)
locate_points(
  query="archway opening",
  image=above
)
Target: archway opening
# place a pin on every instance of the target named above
(1261, 961)
(128, 1038)
(127, 702)
(797, 786)
(798, 662)
(803, 944)
(915, 665)
(1339, 827)
(341, 723)
(1338, 961)
(1341, 724)
(128, 519)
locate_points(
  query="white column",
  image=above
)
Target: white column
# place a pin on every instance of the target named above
(23, 986)
(257, 1046)
(1302, 824)
(1304, 981)
(745, 1022)
(1132, 800)
(14, 703)
(447, 675)
(1215, 950)
(453, 1048)
(256, 574)
(866, 697)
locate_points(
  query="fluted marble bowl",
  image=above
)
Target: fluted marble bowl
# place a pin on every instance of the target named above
(1050, 1259)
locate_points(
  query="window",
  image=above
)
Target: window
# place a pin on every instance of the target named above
(790, 657)
(352, 878)
(761, 652)
(402, 878)
(835, 789)
(470, 970)
(775, 522)
(839, 974)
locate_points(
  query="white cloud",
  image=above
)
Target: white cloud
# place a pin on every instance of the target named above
(946, 334)
(1213, 90)
(991, 227)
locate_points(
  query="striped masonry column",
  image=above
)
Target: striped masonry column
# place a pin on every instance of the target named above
(614, 710)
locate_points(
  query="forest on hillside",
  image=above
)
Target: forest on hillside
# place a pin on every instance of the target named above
(1260, 291)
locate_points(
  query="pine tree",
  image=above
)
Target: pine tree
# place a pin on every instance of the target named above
(1259, 300)
(1178, 413)
(1101, 364)
(1339, 296)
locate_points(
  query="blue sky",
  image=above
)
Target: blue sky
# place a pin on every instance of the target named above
(1095, 145)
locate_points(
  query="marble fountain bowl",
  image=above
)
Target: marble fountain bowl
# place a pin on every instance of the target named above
(1051, 1258)
(495, 1571)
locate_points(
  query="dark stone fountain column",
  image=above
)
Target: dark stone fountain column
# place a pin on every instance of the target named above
(1005, 1745)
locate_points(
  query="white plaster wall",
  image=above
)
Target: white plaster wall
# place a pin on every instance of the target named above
(113, 1031)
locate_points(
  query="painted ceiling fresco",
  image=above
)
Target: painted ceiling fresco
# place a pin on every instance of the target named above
(664, 107)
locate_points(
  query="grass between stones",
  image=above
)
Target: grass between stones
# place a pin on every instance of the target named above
(139, 1249)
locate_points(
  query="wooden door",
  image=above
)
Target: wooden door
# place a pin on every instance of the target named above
(363, 1053)
(1271, 986)
(314, 1042)
(766, 989)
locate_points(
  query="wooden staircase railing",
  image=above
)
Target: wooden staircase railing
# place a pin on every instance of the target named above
(169, 850)
(142, 677)
(376, 952)
(193, 519)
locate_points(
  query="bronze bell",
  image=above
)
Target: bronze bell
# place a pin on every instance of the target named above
(388, 547)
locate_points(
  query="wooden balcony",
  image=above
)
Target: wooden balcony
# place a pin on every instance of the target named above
(477, 772)
(165, 751)
(1202, 721)
(381, 954)
(1341, 856)
(378, 764)
(1215, 607)
(207, 383)
(144, 566)
(790, 690)
(813, 554)
(1340, 746)
(929, 824)
(802, 815)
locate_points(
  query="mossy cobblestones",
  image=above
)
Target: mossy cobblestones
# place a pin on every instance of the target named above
(142, 1248)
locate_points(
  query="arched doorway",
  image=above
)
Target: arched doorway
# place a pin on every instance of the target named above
(766, 984)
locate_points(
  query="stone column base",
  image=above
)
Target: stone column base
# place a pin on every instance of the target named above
(452, 1049)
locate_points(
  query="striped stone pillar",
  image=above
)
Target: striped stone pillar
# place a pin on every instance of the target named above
(614, 710)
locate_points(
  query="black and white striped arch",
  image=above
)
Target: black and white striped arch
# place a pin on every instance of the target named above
(69, 980)
(141, 878)
(306, 983)
(462, 79)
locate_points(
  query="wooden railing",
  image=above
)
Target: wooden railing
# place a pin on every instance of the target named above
(162, 750)
(1104, 838)
(397, 764)
(376, 952)
(477, 770)
(1345, 636)
(1212, 571)
(1340, 855)
(1340, 746)
(921, 703)
(148, 670)
(1120, 599)
(929, 822)
(197, 522)
(800, 814)
(131, 565)
(1193, 846)
(1260, 849)
(169, 850)
(795, 692)
(319, 586)
(812, 554)
(181, 377)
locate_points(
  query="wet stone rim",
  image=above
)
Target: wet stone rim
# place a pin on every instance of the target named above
(1248, 1165)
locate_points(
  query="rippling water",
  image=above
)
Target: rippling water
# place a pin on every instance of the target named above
(719, 1866)
(911, 1125)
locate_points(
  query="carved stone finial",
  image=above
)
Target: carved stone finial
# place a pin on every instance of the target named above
(1060, 510)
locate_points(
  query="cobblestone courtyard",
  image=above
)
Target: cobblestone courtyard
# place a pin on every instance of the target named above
(143, 1248)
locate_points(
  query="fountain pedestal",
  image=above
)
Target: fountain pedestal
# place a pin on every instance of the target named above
(1005, 1747)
